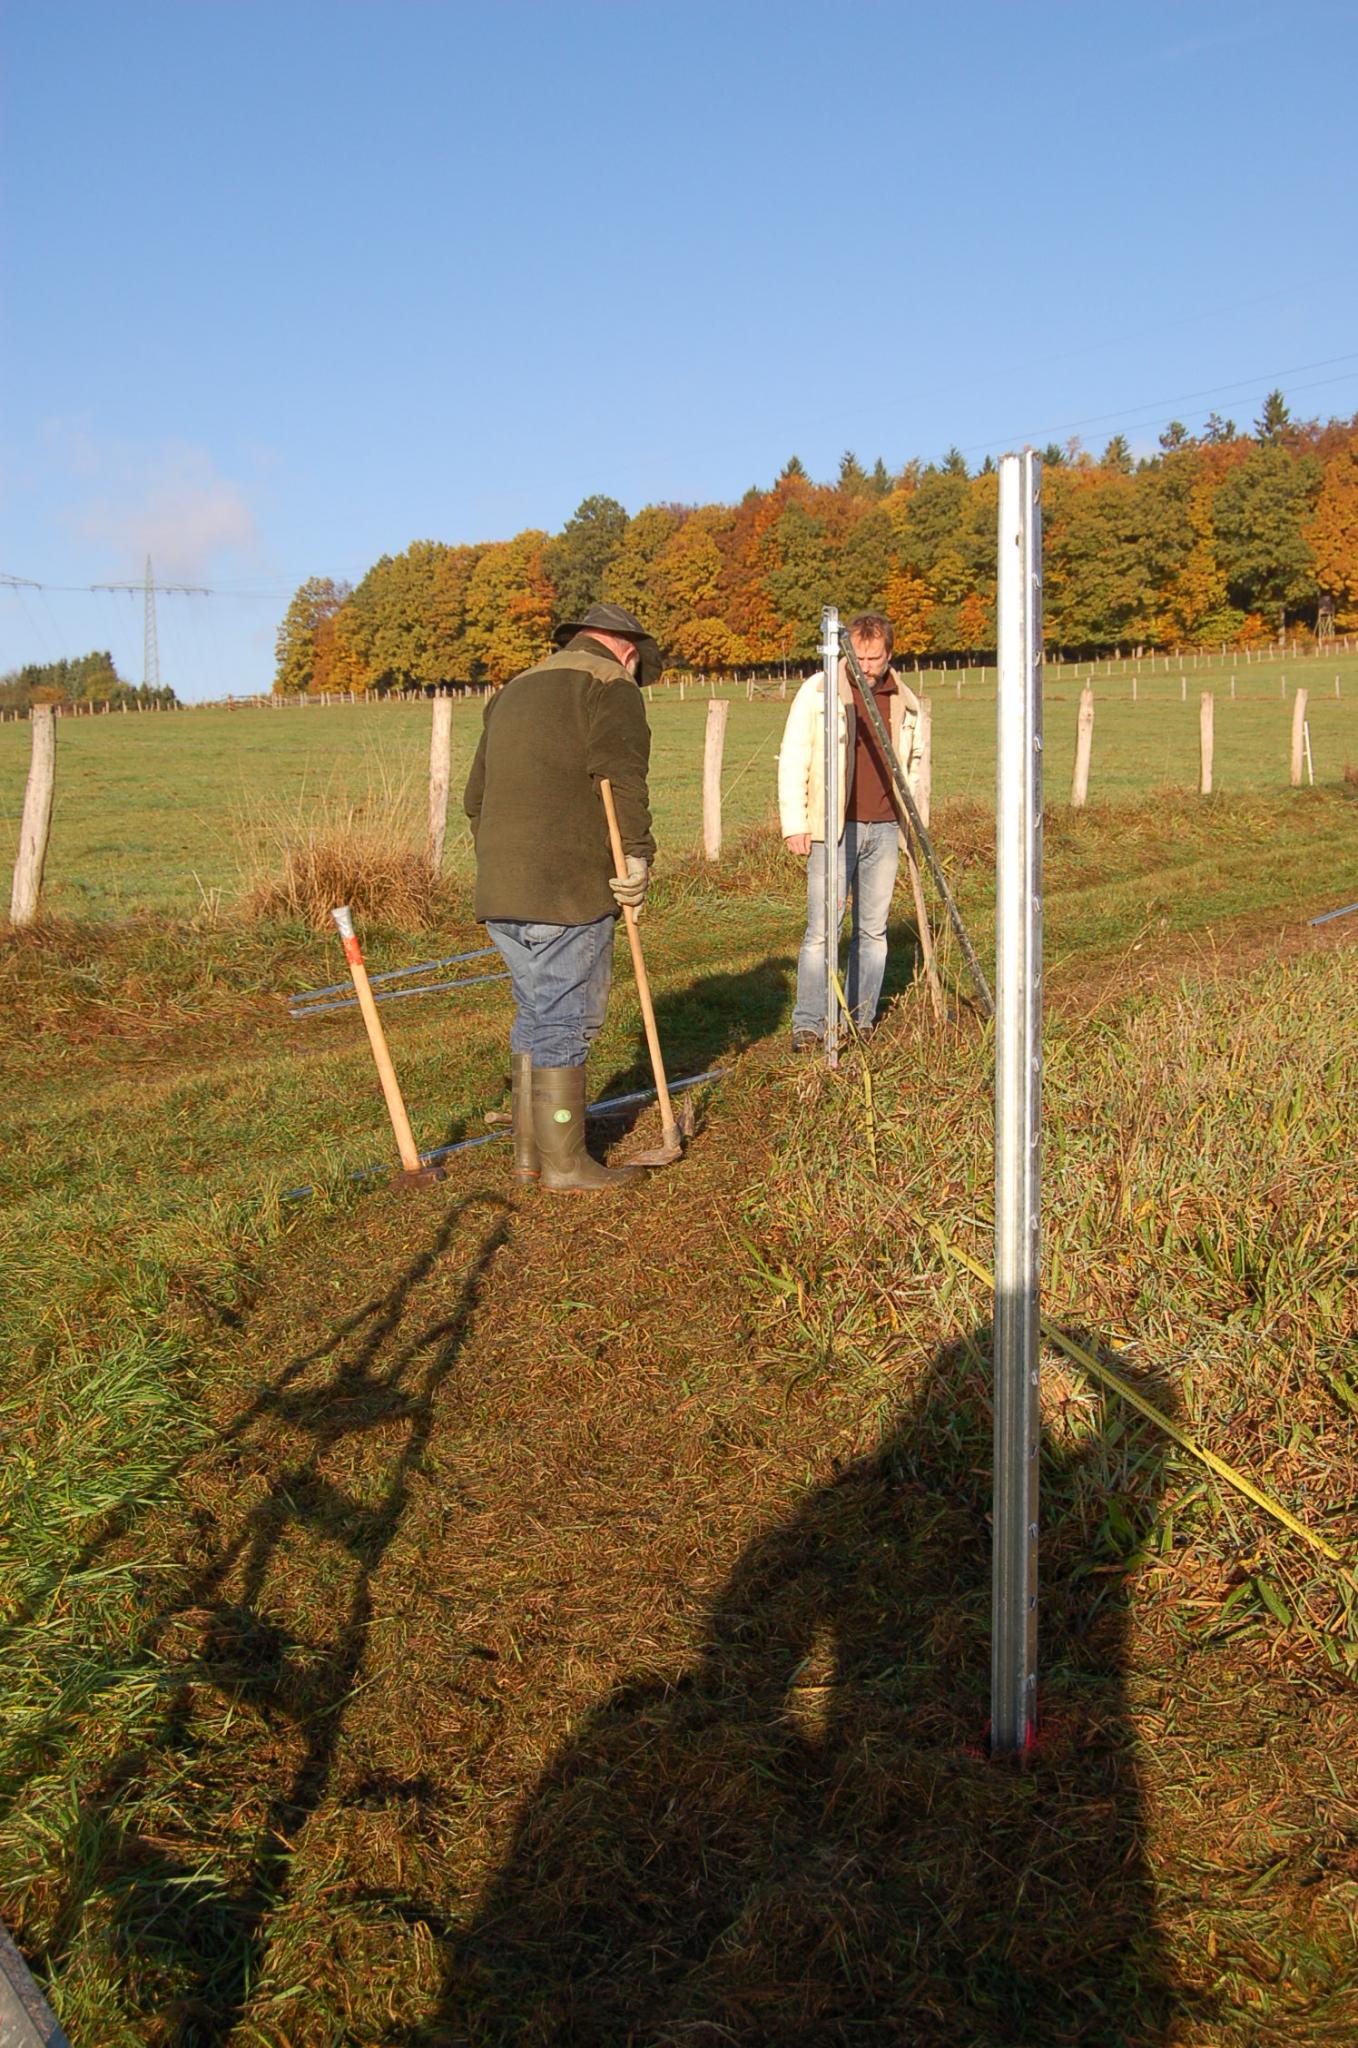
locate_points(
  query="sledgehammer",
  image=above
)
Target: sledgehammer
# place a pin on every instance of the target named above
(414, 1173)
(670, 1147)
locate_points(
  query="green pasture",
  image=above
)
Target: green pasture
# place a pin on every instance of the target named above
(177, 811)
(324, 1531)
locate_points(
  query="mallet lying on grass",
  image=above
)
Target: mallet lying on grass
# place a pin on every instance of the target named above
(414, 1173)
(670, 1147)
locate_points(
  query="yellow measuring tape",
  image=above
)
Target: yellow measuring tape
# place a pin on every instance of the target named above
(1115, 1381)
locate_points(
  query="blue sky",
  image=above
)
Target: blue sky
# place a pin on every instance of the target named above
(289, 286)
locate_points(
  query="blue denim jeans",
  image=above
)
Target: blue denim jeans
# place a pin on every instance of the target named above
(560, 975)
(868, 858)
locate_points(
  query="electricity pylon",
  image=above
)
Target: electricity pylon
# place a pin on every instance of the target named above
(150, 661)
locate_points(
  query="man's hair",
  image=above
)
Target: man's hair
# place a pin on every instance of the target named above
(872, 626)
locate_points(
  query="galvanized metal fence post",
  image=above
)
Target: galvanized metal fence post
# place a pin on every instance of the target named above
(1018, 1105)
(829, 646)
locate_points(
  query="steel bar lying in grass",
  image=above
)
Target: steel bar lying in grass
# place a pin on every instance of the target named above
(26, 2019)
(596, 1109)
(917, 826)
(394, 995)
(335, 988)
(1347, 911)
(1116, 1384)
(1018, 1106)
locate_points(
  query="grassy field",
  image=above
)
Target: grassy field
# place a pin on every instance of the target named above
(177, 811)
(473, 1618)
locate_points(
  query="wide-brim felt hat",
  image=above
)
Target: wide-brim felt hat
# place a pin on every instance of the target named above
(611, 618)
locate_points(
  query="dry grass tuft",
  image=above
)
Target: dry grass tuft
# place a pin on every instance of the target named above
(365, 852)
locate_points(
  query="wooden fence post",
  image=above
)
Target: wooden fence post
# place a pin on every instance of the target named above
(440, 758)
(37, 817)
(1084, 743)
(1205, 738)
(713, 742)
(924, 774)
(1298, 736)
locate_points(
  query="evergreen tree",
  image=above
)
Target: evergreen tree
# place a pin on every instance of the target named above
(1274, 420)
(853, 478)
(578, 560)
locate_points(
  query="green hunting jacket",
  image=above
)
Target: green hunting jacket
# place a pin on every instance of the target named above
(542, 852)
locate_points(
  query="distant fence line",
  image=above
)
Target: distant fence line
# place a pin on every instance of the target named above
(39, 793)
(761, 682)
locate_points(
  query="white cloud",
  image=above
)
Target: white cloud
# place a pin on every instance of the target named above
(169, 501)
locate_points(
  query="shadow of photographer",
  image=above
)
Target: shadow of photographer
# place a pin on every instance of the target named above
(802, 1839)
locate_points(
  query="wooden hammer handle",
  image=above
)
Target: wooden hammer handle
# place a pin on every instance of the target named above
(669, 1127)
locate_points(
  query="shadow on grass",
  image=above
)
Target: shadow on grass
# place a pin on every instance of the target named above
(801, 1839)
(707, 1021)
(188, 1836)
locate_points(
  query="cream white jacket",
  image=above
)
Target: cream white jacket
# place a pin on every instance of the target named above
(801, 759)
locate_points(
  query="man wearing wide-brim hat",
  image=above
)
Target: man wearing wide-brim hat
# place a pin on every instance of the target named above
(545, 883)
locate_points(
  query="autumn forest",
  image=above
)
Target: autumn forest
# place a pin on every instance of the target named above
(1223, 535)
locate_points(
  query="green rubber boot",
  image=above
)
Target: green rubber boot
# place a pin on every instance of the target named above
(559, 1128)
(526, 1163)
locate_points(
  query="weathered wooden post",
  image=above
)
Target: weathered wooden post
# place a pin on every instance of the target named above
(440, 761)
(714, 740)
(1018, 1107)
(924, 773)
(36, 823)
(1298, 736)
(1084, 744)
(1206, 714)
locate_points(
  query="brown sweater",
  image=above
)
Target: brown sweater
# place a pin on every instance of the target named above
(542, 852)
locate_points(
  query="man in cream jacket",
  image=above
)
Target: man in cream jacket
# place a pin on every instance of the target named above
(868, 829)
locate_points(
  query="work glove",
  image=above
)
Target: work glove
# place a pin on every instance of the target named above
(633, 890)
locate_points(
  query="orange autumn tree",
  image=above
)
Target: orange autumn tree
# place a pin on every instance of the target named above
(910, 608)
(1333, 533)
(509, 605)
(974, 623)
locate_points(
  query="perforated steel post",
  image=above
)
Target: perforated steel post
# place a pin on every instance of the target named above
(1018, 1105)
(829, 653)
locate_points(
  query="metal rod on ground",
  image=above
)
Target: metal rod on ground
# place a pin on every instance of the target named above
(26, 2019)
(37, 817)
(391, 995)
(503, 1123)
(1018, 1107)
(414, 1173)
(1346, 910)
(335, 988)
(670, 1146)
(918, 827)
(440, 768)
(829, 639)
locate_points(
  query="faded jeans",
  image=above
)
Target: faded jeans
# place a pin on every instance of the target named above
(868, 858)
(560, 975)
